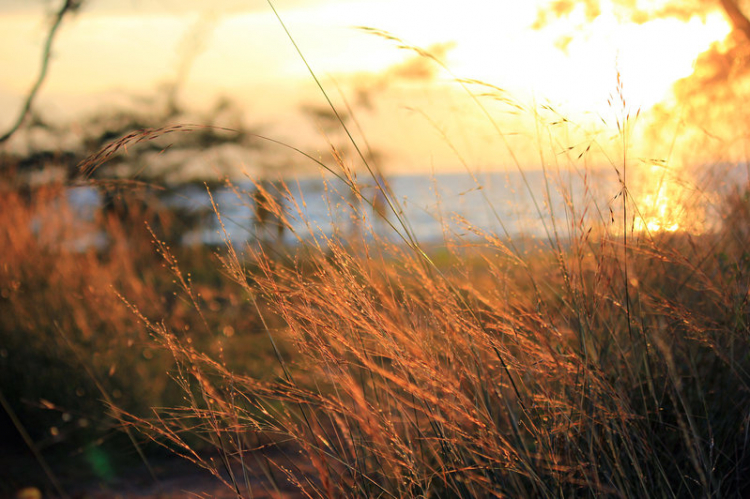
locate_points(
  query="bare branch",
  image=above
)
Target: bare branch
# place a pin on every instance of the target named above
(68, 6)
(739, 20)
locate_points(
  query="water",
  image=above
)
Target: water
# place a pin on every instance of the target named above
(432, 208)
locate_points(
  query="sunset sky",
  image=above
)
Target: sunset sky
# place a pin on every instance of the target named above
(116, 48)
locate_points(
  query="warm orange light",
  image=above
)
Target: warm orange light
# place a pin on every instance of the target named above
(661, 204)
(246, 56)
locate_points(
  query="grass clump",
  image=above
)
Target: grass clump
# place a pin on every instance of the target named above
(72, 354)
(604, 360)
(595, 365)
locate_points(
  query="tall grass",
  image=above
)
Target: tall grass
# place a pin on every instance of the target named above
(601, 361)
(72, 354)
(612, 362)
(608, 362)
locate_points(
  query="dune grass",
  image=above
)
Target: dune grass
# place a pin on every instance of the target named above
(612, 362)
(604, 360)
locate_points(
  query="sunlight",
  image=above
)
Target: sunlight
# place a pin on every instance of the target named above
(661, 207)
(569, 64)
(660, 218)
(653, 56)
(650, 57)
(498, 45)
(374, 248)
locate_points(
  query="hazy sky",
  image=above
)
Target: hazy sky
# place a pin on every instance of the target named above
(236, 48)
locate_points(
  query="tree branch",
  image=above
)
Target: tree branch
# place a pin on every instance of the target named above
(739, 20)
(67, 7)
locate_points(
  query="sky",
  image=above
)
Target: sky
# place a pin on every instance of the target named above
(410, 109)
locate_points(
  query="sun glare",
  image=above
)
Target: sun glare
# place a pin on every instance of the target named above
(570, 64)
(572, 67)
(650, 57)
(661, 205)
(653, 56)
(659, 214)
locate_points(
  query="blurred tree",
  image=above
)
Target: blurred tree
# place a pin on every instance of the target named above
(67, 7)
(633, 11)
(707, 100)
(135, 140)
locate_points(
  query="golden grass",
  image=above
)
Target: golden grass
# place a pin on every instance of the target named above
(548, 374)
(601, 362)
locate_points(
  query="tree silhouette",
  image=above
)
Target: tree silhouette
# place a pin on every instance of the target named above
(68, 7)
(707, 100)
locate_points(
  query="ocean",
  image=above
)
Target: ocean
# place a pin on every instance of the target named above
(428, 208)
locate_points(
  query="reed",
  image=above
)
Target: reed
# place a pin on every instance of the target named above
(607, 363)
(605, 360)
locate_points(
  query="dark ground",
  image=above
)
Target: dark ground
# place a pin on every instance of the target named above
(175, 478)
